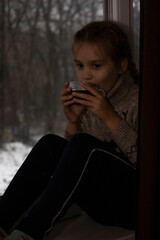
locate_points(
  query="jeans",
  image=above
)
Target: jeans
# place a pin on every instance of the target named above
(58, 173)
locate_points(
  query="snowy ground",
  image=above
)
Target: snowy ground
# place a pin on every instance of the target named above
(11, 157)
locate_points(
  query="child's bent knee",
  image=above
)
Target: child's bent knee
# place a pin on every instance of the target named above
(81, 137)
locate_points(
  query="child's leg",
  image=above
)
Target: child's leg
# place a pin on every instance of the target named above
(108, 191)
(31, 179)
(65, 185)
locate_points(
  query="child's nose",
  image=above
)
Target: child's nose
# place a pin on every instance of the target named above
(87, 74)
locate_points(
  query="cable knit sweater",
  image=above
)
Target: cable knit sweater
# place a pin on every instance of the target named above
(124, 98)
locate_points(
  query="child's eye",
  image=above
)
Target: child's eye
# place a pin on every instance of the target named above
(79, 65)
(96, 65)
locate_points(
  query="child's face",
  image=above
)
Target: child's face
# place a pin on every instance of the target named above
(94, 67)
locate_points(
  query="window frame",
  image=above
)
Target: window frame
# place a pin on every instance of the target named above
(120, 11)
(148, 220)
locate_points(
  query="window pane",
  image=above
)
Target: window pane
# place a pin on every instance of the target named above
(38, 60)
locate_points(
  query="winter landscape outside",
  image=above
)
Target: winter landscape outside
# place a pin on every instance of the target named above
(37, 60)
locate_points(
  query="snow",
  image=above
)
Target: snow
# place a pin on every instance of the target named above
(12, 156)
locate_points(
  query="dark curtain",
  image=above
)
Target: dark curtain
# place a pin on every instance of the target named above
(148, 225)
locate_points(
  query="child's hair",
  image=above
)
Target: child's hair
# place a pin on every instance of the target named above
(112, 38)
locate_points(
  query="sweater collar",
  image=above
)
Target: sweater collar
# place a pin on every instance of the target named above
(120, 88)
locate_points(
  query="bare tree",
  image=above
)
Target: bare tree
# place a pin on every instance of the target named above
(38, 37)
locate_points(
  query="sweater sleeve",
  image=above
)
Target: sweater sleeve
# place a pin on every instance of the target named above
(126, 139)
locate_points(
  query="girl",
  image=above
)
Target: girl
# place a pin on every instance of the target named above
(95, 165)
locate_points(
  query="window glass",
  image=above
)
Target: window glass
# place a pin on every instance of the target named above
(38, 60)
(136, 28)
(127, 13)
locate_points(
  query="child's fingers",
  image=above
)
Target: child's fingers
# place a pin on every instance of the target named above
(68, 103)
(66, 84)
(82, 102)
(66, 91)
(66, 98)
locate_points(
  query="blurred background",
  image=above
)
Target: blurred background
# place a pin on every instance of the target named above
(37, 62)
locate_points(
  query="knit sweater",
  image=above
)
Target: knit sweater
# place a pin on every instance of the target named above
(124, 98)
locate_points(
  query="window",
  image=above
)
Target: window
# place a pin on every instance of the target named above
(127, 12)
(136, 28)
(38, 60)
(120, 11)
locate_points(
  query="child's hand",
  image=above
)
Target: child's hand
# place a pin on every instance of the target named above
(70, 108)
(97, 104)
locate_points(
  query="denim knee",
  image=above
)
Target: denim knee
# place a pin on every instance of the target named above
(47, 138)
(82, 137)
